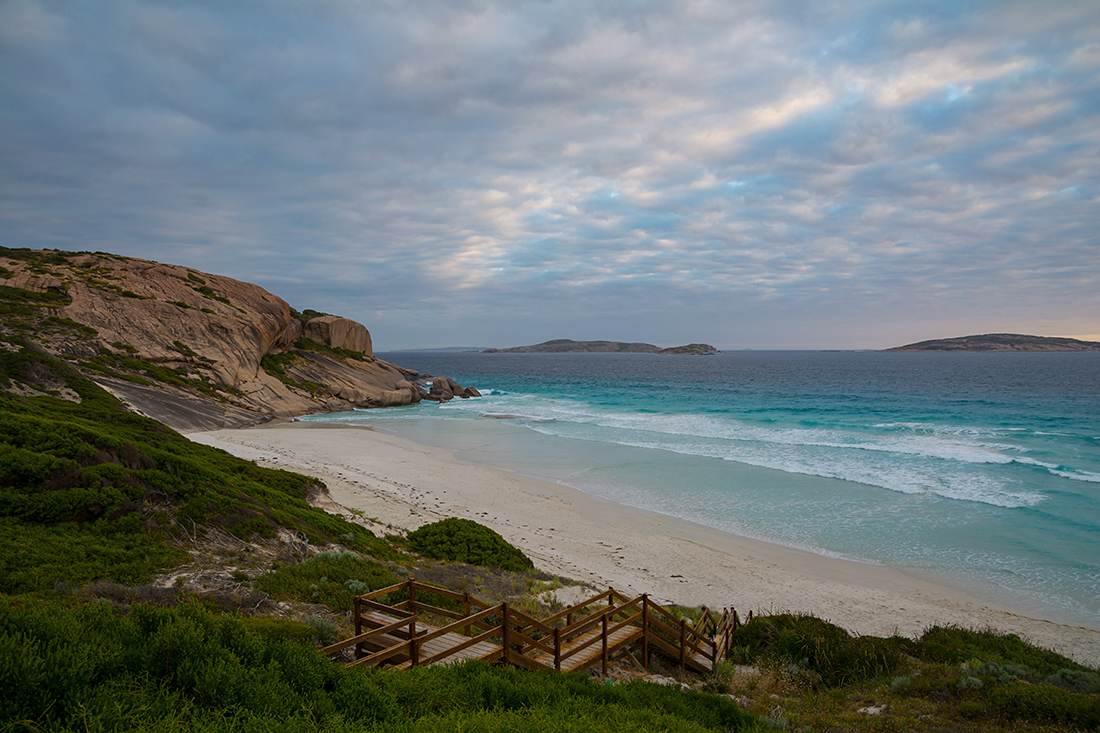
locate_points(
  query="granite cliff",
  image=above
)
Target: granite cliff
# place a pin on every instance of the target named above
(195, 350)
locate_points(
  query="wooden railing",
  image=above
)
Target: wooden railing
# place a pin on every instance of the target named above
(573, 638)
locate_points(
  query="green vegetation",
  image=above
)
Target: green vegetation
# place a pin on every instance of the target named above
(94, 667)
(276, 364)
(331, 578)
(207, 292)
(463, 540)
(984, 679)
(825, 654)
(139, 371)
(23, 311)
(90, 491)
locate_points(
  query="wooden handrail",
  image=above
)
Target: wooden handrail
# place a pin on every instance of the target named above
(576, 607)
(386, 591)
(702, 641)
(468, 620)
(381, 607)
(429, 608)
(365, 636)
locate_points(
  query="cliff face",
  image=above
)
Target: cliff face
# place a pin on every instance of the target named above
(193, 349)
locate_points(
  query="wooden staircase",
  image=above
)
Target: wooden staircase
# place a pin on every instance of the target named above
(591, 632)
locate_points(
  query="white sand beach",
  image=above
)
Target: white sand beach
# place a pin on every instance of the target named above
(396, 482)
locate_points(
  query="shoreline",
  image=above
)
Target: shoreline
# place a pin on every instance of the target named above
(397, 482)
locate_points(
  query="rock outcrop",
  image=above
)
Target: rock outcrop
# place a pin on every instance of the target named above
(187, 347)
(339, 333)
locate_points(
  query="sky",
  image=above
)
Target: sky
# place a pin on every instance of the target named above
(749, 174)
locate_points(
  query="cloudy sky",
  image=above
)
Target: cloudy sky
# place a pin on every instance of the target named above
(752, 174)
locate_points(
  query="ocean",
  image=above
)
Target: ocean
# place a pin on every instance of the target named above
(977, 470)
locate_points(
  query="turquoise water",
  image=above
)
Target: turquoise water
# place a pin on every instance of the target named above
(978, 470)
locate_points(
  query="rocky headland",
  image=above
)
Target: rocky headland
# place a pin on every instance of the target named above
(195, 350)
(1001, 342)
(568, 346)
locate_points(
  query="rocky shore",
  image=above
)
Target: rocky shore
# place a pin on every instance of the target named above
(198, 351)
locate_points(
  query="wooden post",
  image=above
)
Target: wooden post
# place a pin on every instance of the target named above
(645, 632)
(412, 595)
(605, 645)
(412, 641)
(504, 630)
(466, 609)
(557, 649)
(358, 626)
(683, 648)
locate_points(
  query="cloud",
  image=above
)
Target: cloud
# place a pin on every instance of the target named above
(541, 169)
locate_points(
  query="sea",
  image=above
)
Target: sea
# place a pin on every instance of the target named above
(980, 471)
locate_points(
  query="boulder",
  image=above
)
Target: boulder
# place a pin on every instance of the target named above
(394, 398)
(415, 392)
(339, 333)
(441, 387)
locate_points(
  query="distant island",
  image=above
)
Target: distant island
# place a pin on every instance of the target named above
(568, 346)
(1001, 342)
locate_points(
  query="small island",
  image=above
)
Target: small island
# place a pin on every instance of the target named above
(690, 350)
(568, 346)
(1001, 342)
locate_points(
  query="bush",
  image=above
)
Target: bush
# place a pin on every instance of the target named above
(829, 654)
(93, 668)
(331, 578)
(953, 645)
(464, 540)
(1046, 703)
(90, 491)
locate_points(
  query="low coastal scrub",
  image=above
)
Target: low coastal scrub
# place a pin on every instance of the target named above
(90, 491)
(97, 667)
(950, 677)
(464, 540)
(824, 654)
(330, 578)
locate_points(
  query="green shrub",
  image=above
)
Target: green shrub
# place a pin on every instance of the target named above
(1076, 680)
(464, 540)
(331, 578)
(280, 629)
(953, 645)
(93, 668)
(90, 491)
(829, 654)
(1045, 703)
